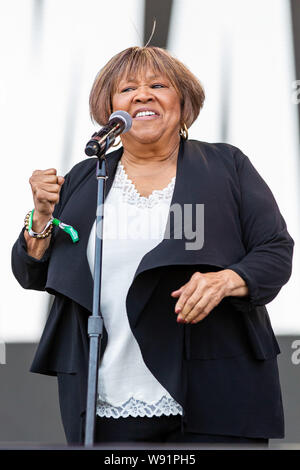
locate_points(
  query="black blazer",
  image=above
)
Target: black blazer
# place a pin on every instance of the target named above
(223, 370)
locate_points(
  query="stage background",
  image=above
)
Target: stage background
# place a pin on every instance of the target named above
(247, 56)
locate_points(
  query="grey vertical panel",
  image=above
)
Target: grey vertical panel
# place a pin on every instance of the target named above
(290, 384)
(161, 10)
(29, 409)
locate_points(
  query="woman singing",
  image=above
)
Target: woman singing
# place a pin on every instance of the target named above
(194, 247)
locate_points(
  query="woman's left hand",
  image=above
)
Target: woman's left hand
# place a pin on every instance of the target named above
(204, 291)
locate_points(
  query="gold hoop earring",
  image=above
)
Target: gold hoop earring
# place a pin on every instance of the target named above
(117, 143)
(184, 133)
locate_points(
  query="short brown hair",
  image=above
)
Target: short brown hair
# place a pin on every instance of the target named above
(132, 61)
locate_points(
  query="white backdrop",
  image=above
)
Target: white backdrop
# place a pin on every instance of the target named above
(242, 53)
(48, 66)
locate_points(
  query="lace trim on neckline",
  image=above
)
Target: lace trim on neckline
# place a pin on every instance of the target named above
(132, 196)
(133, 407)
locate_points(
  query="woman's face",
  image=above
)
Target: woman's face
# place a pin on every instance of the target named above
(154, 105)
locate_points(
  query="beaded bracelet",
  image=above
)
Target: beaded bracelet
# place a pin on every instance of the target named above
(28, 226)
(48, 228)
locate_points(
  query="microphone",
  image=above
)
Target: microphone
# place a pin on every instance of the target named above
(119, 123)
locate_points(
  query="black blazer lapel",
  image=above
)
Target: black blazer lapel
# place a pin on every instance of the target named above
(171, 250)
(69, 272)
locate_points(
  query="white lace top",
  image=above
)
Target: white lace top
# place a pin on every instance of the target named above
(133, 225)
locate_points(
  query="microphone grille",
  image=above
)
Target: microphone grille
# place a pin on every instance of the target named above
(126, 118)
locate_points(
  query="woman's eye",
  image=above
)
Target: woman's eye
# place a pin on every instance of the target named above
(126, 89)
(155, 85)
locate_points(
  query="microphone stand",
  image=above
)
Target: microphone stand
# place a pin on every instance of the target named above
(95, 321)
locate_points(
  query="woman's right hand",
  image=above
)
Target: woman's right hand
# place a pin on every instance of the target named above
(45, 186)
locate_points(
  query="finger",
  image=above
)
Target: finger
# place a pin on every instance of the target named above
(203, 311)
(199, 318)
(191, 303)
(50, 188)
(187, 290)
(36, 179)
(60, 180)
(49, 171)
(199, 312)
(185, 295)
(177, 292)
(44, 196)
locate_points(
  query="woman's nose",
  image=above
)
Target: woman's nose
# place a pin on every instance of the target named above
(143, 94)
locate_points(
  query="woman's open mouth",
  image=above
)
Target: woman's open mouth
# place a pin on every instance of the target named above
(145, 115)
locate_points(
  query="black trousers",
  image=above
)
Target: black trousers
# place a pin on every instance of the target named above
(158, 429)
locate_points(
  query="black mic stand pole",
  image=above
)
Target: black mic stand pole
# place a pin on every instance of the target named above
(95, 321)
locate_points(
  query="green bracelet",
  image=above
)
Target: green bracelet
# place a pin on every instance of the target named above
(67, 228)
(47, 230)
(30, 220)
